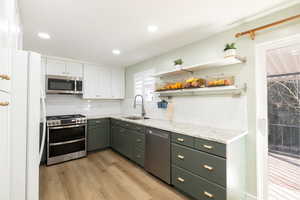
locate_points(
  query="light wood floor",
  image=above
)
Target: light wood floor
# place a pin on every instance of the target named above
(102, 176)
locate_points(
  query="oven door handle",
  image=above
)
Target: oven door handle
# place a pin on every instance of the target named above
(67, 142)
(62, 127)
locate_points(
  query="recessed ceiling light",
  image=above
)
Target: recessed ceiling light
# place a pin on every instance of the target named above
(44, 36)
(152, 28)
(116, 52)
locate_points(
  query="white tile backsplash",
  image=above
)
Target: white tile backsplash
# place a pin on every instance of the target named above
(70, 104)
(216, 111)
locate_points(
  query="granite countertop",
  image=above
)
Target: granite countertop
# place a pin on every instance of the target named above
(224, 136)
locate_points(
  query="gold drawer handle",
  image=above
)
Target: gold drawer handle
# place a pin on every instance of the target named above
(180, 179)
(209, 195)
(180, 139)
(4, 104)
(208, 167)
(180, 157)
(4, 77)
(208, 146)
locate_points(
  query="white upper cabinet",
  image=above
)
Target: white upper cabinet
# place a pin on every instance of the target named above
(105, 82)
(117, 83)
(64, 68)
(91, 82)
(102, 83)
(74, 69)
(56, 67)
(5, 73)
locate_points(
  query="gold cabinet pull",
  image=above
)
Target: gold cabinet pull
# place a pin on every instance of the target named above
(209, 195)
(4, 104)
(208, 146)
(208, 167)
(180, 157)
(4, 77)
(180, 179)
(180, 139)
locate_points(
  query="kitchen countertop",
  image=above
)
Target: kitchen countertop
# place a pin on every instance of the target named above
(224, 136)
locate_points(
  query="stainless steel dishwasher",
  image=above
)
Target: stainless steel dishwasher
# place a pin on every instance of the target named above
(158, 155)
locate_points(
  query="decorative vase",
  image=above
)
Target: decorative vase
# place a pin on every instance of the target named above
(230, 53)
(178, 67)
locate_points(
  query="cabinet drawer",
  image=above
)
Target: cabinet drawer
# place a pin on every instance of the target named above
(137, 128)
(116, 122)
(211, 167)
(216, 148)
(97, 122)
(196, 186)
(138, 140)
(139, 156)
(183, 139)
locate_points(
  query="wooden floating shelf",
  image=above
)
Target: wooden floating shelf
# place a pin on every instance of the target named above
(203, 91)
(213, 64)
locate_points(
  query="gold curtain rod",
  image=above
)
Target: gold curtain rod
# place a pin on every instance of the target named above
(252, 31)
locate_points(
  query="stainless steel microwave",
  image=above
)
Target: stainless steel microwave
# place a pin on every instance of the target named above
(63, 85)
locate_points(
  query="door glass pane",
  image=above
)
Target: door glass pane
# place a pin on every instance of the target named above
(283, 67)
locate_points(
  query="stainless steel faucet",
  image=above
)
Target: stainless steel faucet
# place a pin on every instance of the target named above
(143, 106)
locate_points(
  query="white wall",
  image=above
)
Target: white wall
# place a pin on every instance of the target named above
(221, 111)
(71, 104)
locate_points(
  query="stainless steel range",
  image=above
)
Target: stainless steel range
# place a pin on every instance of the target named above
(66, 138)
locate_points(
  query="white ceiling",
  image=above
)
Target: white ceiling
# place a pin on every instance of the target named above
(89, 29)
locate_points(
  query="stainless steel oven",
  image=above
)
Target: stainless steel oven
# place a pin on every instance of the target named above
(66, 138)
(63, 85)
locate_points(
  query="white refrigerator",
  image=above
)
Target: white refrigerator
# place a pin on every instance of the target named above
(24, 126)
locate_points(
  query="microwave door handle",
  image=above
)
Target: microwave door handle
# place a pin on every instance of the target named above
(62, 127)
(75, 89)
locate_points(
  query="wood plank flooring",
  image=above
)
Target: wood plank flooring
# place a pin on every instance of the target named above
(103, 175)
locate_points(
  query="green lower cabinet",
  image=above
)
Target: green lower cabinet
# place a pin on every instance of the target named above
(211, 167)
(98, 134)
(195, 186)
(130, 142)
(124, 143)
(139, 156)
(114, 137)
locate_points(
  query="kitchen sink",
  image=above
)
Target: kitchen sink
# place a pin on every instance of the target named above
(136, 118)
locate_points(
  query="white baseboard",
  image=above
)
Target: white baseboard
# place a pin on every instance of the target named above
(250, 197)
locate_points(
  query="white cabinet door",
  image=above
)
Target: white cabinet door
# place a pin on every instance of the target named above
(96, 82)
(105, 82)
(56, 67)
(4, 146)
(90, 81)
(5, 71)
(118, 83)
(74, 69)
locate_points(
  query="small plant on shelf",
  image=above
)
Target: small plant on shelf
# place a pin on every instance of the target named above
(230, 50)
(178, 63)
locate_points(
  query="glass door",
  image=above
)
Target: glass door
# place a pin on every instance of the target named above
(283, 86)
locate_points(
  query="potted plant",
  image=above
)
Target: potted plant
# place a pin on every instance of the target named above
(178, 63)
(230, 50)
